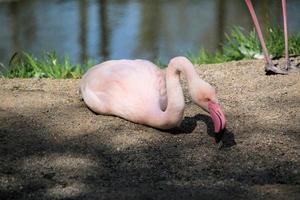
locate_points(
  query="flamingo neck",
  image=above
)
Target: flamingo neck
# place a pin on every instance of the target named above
(173, 114)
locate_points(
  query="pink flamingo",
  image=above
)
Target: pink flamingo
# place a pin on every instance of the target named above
(137, 90)
(270, 68)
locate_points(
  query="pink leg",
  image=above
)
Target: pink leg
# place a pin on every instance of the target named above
(287, 60)
(288, 65)
(270, 68)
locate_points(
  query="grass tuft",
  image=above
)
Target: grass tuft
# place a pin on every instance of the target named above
(238, 45)
(24, 65)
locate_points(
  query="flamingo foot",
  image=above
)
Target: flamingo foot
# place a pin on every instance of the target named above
(270, 69)
(291, 67)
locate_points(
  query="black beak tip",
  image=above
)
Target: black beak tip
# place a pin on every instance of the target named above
(219, 135)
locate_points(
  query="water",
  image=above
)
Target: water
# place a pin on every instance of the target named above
(115, 29)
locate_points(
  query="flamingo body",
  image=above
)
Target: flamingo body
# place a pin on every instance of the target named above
(137, 90)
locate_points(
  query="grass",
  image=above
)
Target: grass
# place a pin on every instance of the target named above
(238, 45)
(24, 65)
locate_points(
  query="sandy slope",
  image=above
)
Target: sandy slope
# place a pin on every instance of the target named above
(53, 147)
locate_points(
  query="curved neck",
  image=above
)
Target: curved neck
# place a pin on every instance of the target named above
(173, 114)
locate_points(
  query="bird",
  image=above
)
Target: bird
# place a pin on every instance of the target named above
(270, 68)
(141, 92)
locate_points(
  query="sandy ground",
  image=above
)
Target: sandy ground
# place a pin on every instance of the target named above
(53, 147)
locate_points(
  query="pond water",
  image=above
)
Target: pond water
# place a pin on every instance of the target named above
(115, 29)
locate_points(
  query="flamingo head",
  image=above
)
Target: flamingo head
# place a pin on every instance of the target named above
(205, 97)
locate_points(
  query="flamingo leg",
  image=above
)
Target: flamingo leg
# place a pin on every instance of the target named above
(288, 65)
(270, 68)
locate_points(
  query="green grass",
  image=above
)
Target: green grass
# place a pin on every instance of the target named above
(238, 45)
(24, 65)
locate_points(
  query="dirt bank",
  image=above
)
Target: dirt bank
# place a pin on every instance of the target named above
(53, 147)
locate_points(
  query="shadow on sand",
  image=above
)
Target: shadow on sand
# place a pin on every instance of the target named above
(189, 124)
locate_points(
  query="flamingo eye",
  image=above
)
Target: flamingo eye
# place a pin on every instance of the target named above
(206, 99)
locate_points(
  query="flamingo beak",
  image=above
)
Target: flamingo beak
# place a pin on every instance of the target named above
(217, 116)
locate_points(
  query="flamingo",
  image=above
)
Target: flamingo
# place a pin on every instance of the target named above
(270, 68)
(137, 90)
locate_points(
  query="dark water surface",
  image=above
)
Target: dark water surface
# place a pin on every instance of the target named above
(114, 29)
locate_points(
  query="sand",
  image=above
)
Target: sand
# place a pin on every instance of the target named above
(53, 147)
